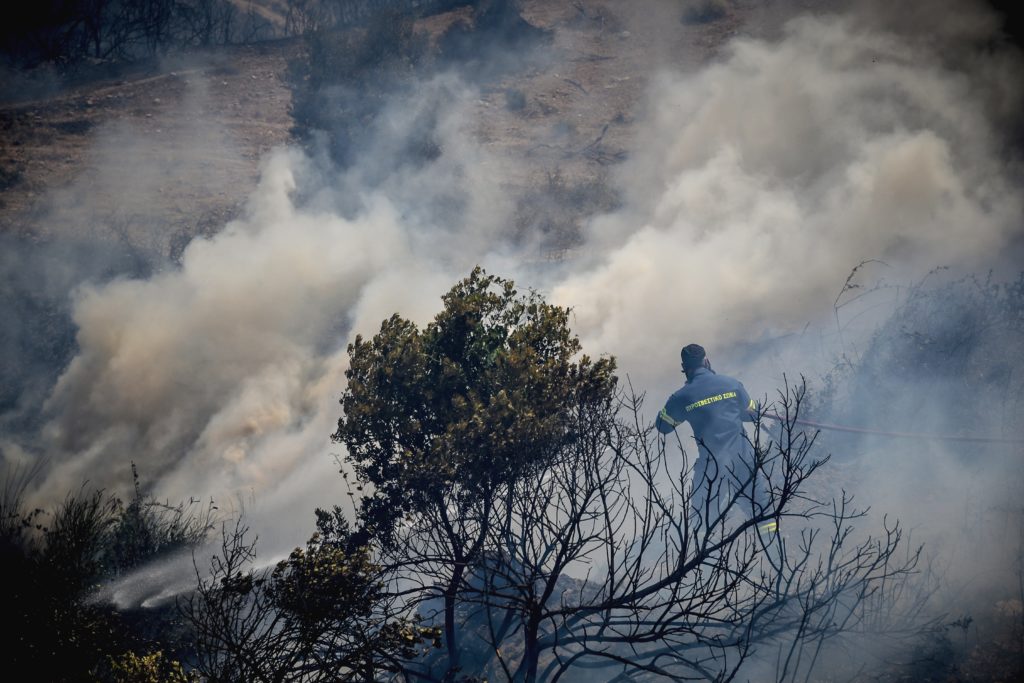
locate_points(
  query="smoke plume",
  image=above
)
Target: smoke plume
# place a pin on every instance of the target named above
(222, 376)
(754, 185)
(758, 182)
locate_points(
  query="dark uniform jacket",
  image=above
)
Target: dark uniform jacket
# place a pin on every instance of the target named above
(716, 407)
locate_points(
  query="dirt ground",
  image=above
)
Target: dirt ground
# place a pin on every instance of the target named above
(209, 120)
(212, 117)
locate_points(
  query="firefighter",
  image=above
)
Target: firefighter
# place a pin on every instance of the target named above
(716, 407)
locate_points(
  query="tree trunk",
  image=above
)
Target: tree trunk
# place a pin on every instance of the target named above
(450, 638)
(530, 652)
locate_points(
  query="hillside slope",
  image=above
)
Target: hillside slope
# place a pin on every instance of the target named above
(157, 154)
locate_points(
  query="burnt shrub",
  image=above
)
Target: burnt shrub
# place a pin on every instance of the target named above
(705, 11)
(940, 362)
(345, 78)
(56, 560)
(496, 41)
(515, 99)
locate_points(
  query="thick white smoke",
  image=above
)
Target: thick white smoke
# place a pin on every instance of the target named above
(222, 377)
(753, 187)
(210, 374)
(759, 182)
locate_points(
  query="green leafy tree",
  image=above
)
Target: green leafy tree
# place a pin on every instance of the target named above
(438, 421)
(480, 397)
(516, 498)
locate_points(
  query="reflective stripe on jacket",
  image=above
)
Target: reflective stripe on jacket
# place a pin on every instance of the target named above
(716, 406)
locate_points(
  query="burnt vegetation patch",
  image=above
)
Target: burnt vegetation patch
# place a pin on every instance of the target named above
(552, 208)
(494, 41)
(705, 11)
(9, 177)
(945, 363)
(68, 34)
(346, 77)
(956, 343)
(349, 73)
(73, 126)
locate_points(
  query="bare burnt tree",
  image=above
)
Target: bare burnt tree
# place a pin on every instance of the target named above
(440, 420)
(319, 615)
(597, 560)
(67, 32)
(207, 22)
(307, 16)
(522, 505)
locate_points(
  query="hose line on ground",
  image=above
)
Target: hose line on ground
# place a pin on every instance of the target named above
(897, 435)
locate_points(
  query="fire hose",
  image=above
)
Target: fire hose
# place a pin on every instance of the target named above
(897, 435)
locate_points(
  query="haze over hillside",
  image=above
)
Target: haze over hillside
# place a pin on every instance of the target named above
(805, 188)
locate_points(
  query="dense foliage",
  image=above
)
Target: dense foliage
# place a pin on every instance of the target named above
(483, 395)
(55, 561)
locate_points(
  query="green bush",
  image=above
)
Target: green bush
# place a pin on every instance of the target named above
(154, 667)
(55, 560)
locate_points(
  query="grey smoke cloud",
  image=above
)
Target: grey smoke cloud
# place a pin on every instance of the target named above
(194, 368)
(754, 185)
(124, 216)
(759, 181)
(221, 377)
